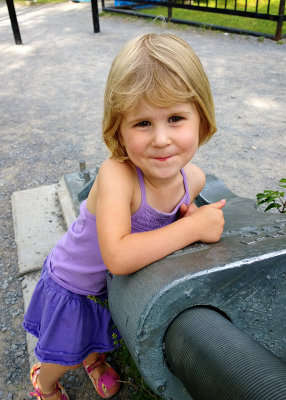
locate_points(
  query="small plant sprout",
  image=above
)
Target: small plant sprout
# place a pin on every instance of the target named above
(273, 199)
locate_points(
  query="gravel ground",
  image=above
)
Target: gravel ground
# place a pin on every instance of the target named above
(51, 95)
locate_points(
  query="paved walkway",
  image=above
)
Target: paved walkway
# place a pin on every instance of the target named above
(51, 92)
(56, 82)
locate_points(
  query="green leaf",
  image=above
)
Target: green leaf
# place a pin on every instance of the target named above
(271, 197)
(274, 193)
(268, 191)
(283, 180)
(272, 205)
(261, 201)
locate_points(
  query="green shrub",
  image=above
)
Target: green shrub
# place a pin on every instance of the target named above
(273, 199)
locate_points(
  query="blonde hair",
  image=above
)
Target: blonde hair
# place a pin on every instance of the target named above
(163, 70)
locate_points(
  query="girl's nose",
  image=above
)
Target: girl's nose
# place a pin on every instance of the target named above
(161, 137)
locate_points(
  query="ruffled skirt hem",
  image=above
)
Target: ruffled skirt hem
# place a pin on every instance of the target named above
(69, 326)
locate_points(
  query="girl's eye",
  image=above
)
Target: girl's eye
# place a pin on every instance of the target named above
(143, 123)
(175, 118)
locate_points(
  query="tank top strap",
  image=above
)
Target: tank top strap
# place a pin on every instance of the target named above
(187, 193)
(143, 190)
(142, 186)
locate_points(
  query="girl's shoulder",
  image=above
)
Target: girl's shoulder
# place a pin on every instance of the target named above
(114, 179)
(196, 179)
(123, 170)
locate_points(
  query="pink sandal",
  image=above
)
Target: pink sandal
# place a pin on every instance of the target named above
(34, 373)
(108, 383)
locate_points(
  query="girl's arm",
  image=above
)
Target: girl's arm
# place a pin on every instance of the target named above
(123, 252)
(196, 181)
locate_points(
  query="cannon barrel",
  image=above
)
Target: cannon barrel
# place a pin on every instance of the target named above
(216, 360)
(243, 277)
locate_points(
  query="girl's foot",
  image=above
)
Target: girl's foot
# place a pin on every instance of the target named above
(104, 378)
(58, 393)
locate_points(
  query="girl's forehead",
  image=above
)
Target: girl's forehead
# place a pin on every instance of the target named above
(144, 108)
(146, 104)
(157, 95)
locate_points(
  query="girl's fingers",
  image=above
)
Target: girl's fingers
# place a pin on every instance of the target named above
(219, 204)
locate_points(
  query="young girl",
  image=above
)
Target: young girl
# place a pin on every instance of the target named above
(158, 110)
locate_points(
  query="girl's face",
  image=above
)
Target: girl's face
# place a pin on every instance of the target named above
(161, 141)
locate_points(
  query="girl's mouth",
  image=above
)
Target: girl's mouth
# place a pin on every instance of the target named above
(162, 158)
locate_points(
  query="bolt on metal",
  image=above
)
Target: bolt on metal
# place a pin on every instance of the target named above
(82, 168)
(86, 175)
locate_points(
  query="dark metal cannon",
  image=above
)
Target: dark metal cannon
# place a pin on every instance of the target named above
(209, 321)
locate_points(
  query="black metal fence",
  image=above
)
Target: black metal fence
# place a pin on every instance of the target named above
(262, 9)
(14, 21)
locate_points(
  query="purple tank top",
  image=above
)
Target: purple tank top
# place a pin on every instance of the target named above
(148, 218)
(76, 263)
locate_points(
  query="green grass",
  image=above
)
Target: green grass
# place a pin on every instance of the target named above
(230, 21)
(240, 5)
(131, 376)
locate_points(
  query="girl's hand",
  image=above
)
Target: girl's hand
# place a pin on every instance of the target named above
(209, 221)
(187, 210)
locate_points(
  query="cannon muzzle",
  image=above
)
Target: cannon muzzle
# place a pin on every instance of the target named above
(216, 360)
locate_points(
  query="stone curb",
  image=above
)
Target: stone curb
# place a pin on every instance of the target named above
(40, 218)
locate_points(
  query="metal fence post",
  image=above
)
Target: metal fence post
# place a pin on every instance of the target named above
(170, 9)
(95, 16)
(280, 21)
(14, 22)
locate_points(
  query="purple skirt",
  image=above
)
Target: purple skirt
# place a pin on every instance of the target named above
(69, 326)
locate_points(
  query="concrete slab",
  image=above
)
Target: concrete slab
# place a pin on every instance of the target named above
(65, 201)
(28, 285)
(74, 187)
(40, 216)
(38, 225)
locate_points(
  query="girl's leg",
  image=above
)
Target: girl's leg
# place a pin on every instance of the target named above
(48, 376)
(104, 378)
(97, 372)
